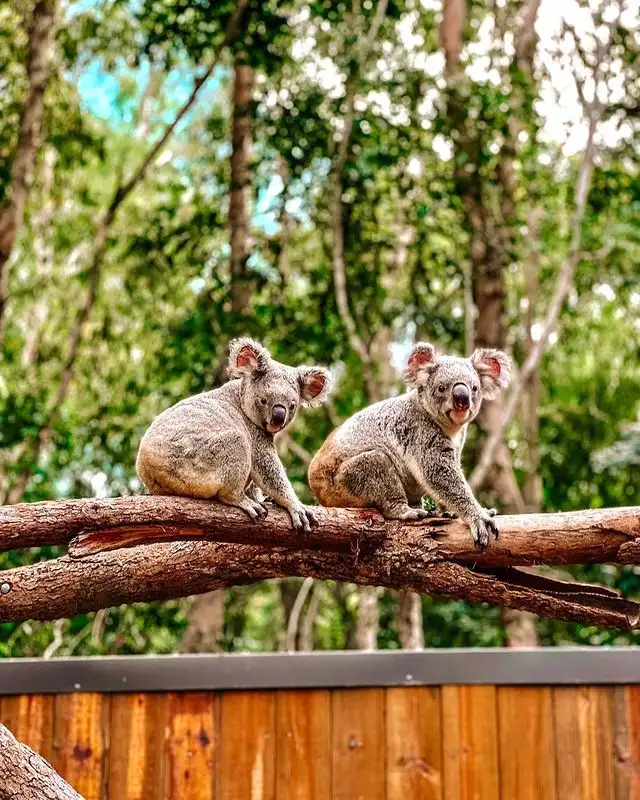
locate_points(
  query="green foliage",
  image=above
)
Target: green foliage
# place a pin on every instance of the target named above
(162, 318)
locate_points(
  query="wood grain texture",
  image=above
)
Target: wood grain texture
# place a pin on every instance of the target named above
(358, 744)
(247, 746)
(303, 744)
(81, 732)
(583, 718)
(30, 720)
(136, 755)
(470, 743)
(527, 743)
(414, 743)
(633, 721)
(191, 746)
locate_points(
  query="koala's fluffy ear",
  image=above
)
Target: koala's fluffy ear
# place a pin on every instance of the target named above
(422, 359)
(246, 357)
(315, 385)
(494, 369)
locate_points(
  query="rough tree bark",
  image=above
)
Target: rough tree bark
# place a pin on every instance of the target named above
(26, 775)
(107, 565)
(29, 135)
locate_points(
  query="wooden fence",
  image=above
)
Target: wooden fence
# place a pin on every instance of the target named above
(413, 736)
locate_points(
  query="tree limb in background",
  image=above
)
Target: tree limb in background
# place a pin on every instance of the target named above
(38, 67)
(593, 110)
(239, 197)
(563, 285)
(27, 775)
(133, 550)
(98, 247)
(339, 270)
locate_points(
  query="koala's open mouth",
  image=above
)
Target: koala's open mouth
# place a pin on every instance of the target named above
(458, 415)
(274, 428)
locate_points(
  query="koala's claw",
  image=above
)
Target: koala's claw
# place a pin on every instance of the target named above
(481, 527)
(492, 512)
(302, 519)
(257, 511)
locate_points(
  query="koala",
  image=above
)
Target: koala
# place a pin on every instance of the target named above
(220, 444)
(390, 454)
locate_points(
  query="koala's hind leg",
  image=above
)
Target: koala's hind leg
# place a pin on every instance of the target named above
(372, 479)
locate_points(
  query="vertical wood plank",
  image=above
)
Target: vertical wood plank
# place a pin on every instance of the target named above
(136, 755)
(358, 744)
(81, 742)
(247, 746)
(633, 727)
(303, 741)
(527, 743)
(583, 718)
(414, 743)
(470, 743)
(191, 746)
(30, 719)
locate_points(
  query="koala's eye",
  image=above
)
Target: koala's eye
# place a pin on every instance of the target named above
(291, 406)
(474, 388)
(263, 401)
(441, 388)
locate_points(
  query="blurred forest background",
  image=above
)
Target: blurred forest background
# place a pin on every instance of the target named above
(337, 178)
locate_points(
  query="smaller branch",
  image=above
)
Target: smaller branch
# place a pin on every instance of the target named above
(294, 618)
(310, 616)
(339, 270)
(27, 775)
(56, 644)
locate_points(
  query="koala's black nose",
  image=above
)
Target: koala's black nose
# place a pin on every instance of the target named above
(461, 397)
(278, 415)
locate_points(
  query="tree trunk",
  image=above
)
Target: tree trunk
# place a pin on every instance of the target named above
(410, 628)
(29, 136)
(206, 624)
(368, 622)
(133, 550)
(240, 195)
(26, 775)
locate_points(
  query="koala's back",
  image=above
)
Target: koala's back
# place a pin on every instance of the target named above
(184, 443)
(388, 426)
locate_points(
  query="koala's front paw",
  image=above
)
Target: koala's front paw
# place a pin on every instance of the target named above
(405, 512)
(481, 526)
(302, 519)
(257, 511)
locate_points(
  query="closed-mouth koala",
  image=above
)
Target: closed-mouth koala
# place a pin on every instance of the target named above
(392, 453)
(217, 443)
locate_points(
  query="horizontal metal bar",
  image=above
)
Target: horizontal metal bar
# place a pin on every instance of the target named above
(320, 670)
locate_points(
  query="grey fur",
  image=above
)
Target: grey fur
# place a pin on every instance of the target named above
(392, 453)
(221, 443)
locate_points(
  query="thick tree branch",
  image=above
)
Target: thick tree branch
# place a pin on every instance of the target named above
(107, 564)
(27, 775)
